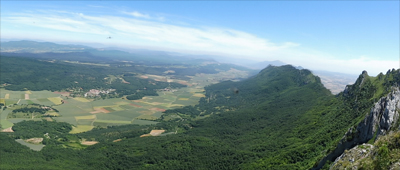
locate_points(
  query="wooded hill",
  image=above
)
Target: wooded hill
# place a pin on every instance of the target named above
(282, 118)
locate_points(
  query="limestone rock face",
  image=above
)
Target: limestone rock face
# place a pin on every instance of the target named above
(390, 114)
(383, 117)
(348, 160)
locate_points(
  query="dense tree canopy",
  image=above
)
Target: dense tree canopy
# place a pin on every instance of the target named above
(282, 118)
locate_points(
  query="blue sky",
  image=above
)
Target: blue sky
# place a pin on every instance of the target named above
(341, 36)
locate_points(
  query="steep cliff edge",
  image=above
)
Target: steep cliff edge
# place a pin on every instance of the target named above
(384, 154)
(382, 118)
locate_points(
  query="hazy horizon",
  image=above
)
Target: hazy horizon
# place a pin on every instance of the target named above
(345, 37)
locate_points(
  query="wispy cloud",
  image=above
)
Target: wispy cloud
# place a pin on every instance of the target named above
(138, 14)
(158, 33)
(146, 30)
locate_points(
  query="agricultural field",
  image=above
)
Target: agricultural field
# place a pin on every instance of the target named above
(45, 97)
(85, 114)
(35, 147)
(81, 128)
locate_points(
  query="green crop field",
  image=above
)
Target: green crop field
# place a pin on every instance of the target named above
(16, 120)
(55, 100)
(107, 116)
(17, 95)
(43, 100)
(109, 102)
(81, 99)
(4, 113)
(70, 120)
(70, 111)
(126, 107)
(157, 114)
(81, 128)
(24, 102)
(74, 108)
(117, 108)
(147, 117)
(35, 147)
(109, 109)
(101, 124)
(42, 94)
(84, 122)
(113, 121)
(144, 122)
(5, 124)
(128, 114)
(85, 117)
(11, 101)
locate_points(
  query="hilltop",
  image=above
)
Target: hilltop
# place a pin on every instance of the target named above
(281, 118)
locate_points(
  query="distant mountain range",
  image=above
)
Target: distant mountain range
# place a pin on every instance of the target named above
(333, 81)
(48, 50)
(39, 47)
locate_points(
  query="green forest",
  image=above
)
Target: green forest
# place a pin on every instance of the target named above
(282, 118)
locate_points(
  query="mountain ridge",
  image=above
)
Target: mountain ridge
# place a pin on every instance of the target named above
(281, 118)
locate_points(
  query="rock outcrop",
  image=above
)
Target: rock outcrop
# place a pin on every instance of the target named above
(348, 160)
(383, 117)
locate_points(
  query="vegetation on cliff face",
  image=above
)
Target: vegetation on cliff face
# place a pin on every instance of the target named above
(360, 99)
(383, 155)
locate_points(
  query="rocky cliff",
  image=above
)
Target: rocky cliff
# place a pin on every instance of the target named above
(384, 154)
(383, 117)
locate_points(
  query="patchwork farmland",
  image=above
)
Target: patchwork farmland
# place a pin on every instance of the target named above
(85, 114)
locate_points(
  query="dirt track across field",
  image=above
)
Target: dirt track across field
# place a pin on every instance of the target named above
(89, 142)
(8, 130)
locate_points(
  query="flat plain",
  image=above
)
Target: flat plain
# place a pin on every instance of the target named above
(84, 113)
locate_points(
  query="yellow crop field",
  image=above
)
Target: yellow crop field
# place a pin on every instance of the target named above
(55, 100)
(52, 114)
(81, 128)
(199, 95)
(81, 99)
(28, 92)
(85, 117)
(117, 108)
(183, 98)
(7, 96)
(2, 101)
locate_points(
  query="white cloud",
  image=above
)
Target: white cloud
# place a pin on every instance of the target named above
(352, 66)
(138, 14)
(207, 40)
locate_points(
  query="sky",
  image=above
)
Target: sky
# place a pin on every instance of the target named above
(338, 36)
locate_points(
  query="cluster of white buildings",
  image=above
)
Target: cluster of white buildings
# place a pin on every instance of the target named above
(95, 92)
(167, 89)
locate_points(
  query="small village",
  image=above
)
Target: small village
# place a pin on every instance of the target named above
(96, 93)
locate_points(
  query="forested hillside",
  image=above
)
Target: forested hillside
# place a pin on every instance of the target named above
(282, 118)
